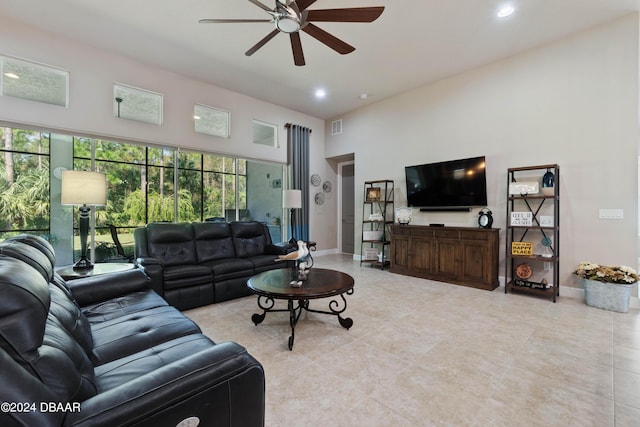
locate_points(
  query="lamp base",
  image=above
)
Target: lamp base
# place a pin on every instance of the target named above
(83, 264)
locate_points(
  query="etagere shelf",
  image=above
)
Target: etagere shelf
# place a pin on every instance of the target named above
(377, 212)
(532, 247)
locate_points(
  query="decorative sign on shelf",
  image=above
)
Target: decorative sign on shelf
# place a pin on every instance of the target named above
(523, 188)
(370, 254)
(522, 218)
(373, 194)
(522, 248)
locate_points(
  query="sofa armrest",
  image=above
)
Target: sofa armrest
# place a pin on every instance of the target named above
(221, 385)
(93, 289)
(153, 268)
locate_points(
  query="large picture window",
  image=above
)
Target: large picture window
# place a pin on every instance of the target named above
(145, 184)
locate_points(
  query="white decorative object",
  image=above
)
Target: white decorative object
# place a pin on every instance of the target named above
(524, 188)
(546, 221)
(375, 217)
(372, 235)
(403, 215)
(521, 219)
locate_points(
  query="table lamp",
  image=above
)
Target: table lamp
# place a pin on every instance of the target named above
(83, 188)
(292, 199)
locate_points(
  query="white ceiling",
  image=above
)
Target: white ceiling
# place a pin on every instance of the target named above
(414, 42)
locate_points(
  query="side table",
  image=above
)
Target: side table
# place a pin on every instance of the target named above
(68, 273)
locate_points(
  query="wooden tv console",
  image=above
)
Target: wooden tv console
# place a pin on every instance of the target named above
(460, 255)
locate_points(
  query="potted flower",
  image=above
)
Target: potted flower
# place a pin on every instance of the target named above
(607, 287)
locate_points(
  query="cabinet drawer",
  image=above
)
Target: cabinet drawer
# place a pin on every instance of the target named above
(401, 231)
(422, 232)
(475, 235)
(447, 234)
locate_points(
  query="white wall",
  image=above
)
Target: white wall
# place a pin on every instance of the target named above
(90, 110)
(573, 102)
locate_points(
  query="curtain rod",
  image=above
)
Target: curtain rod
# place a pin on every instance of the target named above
(288, 125)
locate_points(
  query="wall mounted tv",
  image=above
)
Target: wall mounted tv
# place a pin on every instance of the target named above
(456, 185)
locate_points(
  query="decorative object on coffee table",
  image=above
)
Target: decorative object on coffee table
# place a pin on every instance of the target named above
(606, 287)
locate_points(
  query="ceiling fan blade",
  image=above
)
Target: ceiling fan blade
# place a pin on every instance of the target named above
(261, 5)
(303, 4)
(232, 21)
(329, 40)
(296, 47)
(354, 14)
(262, 42)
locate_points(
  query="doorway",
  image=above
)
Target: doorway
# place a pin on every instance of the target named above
(347, 224)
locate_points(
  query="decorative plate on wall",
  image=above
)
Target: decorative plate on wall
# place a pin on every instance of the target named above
(315, 180)
(319, 198)
(326, 187)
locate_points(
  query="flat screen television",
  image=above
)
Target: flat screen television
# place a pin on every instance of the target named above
(452, 185)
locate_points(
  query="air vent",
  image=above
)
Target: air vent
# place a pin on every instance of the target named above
(336, 127)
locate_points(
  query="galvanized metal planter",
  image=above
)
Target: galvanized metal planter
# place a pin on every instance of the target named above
(608, 296)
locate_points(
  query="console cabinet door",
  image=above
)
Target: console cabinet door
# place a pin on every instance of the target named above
(476, 262)
(400, 253)
(448, 261)
(421, 255)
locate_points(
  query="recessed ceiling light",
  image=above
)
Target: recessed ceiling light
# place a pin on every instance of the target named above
(321, 93)
(505, 11)
(364, 96)
(12, 75)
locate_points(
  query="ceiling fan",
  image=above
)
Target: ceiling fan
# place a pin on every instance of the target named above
(291, 16)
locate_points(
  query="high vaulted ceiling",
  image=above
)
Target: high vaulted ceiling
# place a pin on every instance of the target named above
(414, 42)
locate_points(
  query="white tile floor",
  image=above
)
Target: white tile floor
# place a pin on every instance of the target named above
(424, 353)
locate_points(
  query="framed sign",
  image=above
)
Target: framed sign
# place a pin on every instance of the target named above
(522, 248)
(522, 218)
(373, 194)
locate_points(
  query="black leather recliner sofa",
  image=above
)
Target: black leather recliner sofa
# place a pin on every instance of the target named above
(109, 351)
(195, 264)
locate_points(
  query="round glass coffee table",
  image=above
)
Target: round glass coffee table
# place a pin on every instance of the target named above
(319, 283)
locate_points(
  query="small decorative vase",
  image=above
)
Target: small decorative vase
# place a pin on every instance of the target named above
(608, 296)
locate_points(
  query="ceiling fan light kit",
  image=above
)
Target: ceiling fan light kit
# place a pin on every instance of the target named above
(291, 17)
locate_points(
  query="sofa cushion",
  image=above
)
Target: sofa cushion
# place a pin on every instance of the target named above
(123, 305)
(36, 338)
(232, 267)
(249, 238)
(213, 241)
(30, 255)
(172, 244)
(135, 332)
(182, 276)
(125, 369)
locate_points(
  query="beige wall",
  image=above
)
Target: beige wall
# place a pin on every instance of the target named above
(90, 110)
(573, 102)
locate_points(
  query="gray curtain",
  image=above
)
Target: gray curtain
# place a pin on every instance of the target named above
(298, 142)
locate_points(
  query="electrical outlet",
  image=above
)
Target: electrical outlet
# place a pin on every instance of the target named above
(547, 266)
(611, 214)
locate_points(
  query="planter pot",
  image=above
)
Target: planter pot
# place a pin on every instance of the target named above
(608, 296)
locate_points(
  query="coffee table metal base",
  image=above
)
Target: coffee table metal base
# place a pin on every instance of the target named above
(336, 308)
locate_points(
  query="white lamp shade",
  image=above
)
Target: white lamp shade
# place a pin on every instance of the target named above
(292, 199)
(83, 188)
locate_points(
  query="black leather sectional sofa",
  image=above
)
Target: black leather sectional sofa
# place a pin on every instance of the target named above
(109, 351)
(195, 264)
